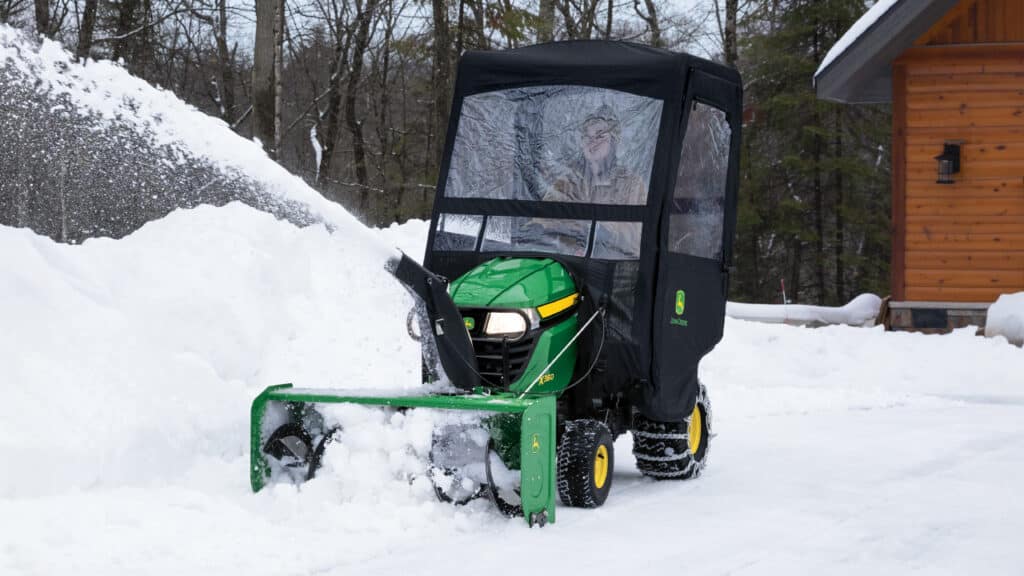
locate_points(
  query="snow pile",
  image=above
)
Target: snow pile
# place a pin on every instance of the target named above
(859, 27)
(1006, 318)
(107, 90)
(122, 113)
(125, 360)
(861, 311)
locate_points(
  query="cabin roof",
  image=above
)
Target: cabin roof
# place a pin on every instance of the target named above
(858, 69)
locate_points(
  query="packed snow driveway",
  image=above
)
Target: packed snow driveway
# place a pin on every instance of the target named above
(130, 366)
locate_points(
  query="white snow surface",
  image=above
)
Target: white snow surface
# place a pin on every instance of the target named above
(1006, 318)
(129, 367)
(855, 31)
(860, 311)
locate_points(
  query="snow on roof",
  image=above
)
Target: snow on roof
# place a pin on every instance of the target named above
(859, 27)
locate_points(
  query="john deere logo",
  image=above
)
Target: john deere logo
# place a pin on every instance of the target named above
(470, 323)
(547, 378)
(680, 308)
(535, 445)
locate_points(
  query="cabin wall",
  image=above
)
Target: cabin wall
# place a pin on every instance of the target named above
(962, 242)
(978, 22)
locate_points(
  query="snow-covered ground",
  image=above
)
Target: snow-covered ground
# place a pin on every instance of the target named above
(129, 367)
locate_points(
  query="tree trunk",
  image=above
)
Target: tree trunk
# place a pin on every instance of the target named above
(608, 22)
(125, 23)
(43, 17)
(840, 217)
(355, 126)
(571, 29)
(794, 280)
(819, 192)
(85, 32)
(278, 73)
(731, 51)
(332, 116)
(442, 78)
(225, 61)
(651, 18)
(546, 21)
(263, 91)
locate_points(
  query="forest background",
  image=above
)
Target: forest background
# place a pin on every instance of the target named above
(354, 95)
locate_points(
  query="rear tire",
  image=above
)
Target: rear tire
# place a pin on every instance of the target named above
(586, 459)
(674, 450)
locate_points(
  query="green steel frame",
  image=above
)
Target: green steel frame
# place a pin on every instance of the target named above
(536, 440)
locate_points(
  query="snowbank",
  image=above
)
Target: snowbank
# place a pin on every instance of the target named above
(126, 360)
(855, 32)
(861, 311)
(1006, 318)
(111, 99)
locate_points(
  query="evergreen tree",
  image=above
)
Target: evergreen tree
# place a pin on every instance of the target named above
(814, 192)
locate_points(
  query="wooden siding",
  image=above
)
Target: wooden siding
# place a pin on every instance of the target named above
(978, 22)
(962, 242)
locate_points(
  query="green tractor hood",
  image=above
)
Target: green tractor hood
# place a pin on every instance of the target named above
(512, 283)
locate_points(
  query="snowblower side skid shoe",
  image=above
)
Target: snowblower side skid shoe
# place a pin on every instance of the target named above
(278, 431)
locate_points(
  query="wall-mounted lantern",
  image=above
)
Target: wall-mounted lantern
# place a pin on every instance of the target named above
(949, 161)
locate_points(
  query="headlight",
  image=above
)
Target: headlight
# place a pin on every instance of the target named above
(508, 324)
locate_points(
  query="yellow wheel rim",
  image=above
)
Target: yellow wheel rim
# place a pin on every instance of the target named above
(695, 430)
(601, 466)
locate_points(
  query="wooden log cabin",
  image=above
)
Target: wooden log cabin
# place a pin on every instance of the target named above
(954, 73)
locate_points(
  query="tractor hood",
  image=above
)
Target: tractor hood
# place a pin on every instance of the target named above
(512, 283)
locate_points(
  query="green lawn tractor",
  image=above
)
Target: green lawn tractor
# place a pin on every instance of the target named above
(576, 272)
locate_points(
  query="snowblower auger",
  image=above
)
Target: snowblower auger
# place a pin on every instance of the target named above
(533, 417)
(585, 211)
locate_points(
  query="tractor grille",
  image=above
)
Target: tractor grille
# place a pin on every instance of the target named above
(490, 357)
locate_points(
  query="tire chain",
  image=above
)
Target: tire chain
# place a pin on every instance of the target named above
(662, 449)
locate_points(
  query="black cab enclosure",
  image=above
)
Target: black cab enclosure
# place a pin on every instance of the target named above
(620, 161)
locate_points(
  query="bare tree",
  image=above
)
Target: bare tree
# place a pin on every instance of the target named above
(11, 9)
(328, 122)
(546, 21)
(85, 30)
(364, 17)
(264, 82)
(442, 75)
(42, 17)
(125, 26)
(649, 14)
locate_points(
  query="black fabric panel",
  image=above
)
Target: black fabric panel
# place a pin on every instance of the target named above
(621, 66)
(679, 342)
(683, 339)
(541, 209)
(655, 360)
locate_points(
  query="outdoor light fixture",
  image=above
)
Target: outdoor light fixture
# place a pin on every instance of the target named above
(949, 161)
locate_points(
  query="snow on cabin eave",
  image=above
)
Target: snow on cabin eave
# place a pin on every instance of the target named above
(859, 30)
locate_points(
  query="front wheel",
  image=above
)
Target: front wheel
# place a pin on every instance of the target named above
(674, 450)
(586, 458)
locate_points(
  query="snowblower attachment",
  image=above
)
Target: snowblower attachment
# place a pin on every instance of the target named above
(516, 434)
(500, 446)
